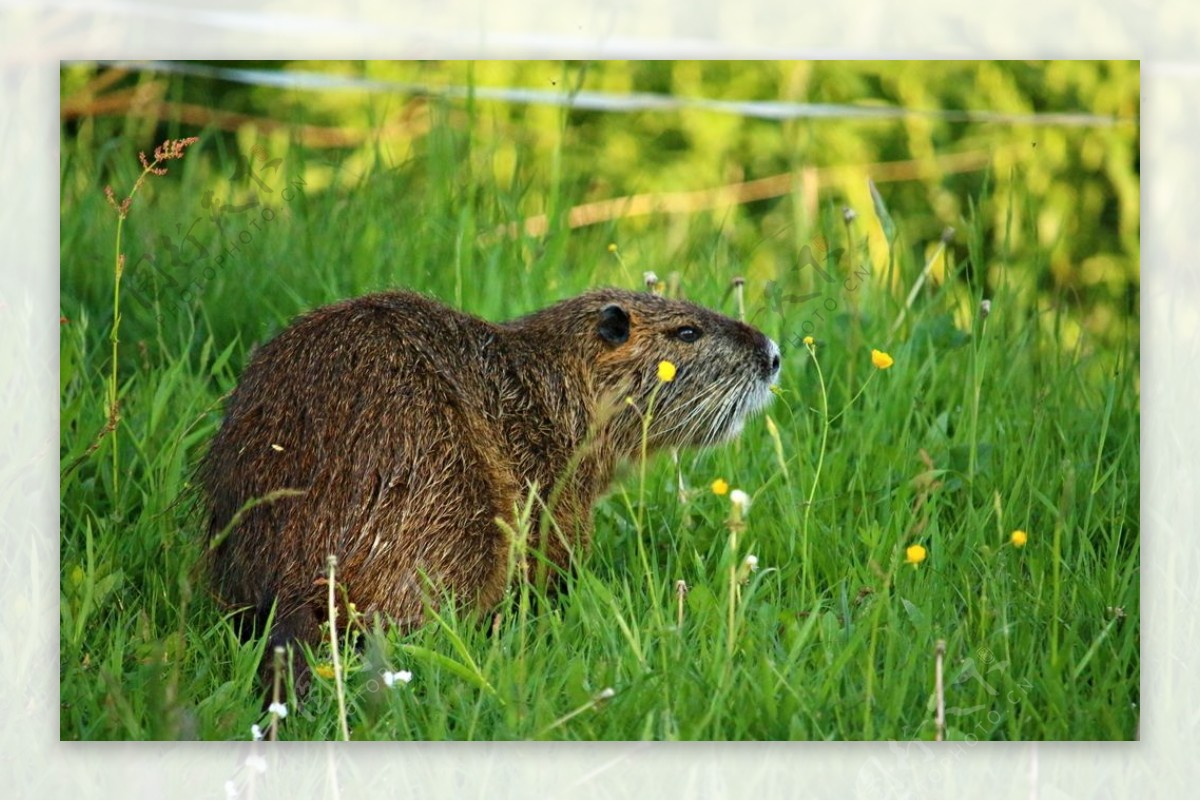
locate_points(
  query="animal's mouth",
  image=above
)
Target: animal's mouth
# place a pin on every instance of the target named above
(719, 414)
(729, 413)
(761, 398)
(757, 399)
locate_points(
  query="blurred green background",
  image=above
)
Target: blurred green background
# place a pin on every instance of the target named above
(1068, 184)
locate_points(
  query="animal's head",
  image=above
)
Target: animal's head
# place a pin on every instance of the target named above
(717, 371)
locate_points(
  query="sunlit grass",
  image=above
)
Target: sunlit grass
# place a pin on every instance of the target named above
(907, 449)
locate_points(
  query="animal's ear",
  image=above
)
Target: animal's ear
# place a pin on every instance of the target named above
(614, 324)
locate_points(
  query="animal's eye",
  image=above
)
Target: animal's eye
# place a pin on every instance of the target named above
(688, 334)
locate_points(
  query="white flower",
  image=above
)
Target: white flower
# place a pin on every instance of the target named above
(256, 763)
(231, 790)
(752, 561)
(402, 676)
(255, 732)
(607, 692)
(740, 499)
(279, 709)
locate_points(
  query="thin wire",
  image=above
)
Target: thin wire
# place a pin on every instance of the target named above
(607, 101)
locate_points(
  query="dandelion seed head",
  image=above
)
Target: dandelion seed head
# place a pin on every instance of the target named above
(278, 708)
(256, 732)
(256, 763)
(752, 561)
(739, 499)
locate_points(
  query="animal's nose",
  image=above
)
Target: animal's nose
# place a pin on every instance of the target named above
(772, 359)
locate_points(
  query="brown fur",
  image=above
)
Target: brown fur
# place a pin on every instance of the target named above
(409, 428)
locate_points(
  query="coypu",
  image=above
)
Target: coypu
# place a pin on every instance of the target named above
(408, 428)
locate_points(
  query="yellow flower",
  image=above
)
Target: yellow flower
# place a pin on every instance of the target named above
(720, 487)
(612, 247)
(914, 554)
(881, 359)
(1019, 538)
(666, 371)
(324, 671)
(809, 341)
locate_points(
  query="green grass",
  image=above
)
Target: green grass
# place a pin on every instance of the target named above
(978, 429)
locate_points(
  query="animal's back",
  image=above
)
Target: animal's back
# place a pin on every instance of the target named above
(374, 411)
